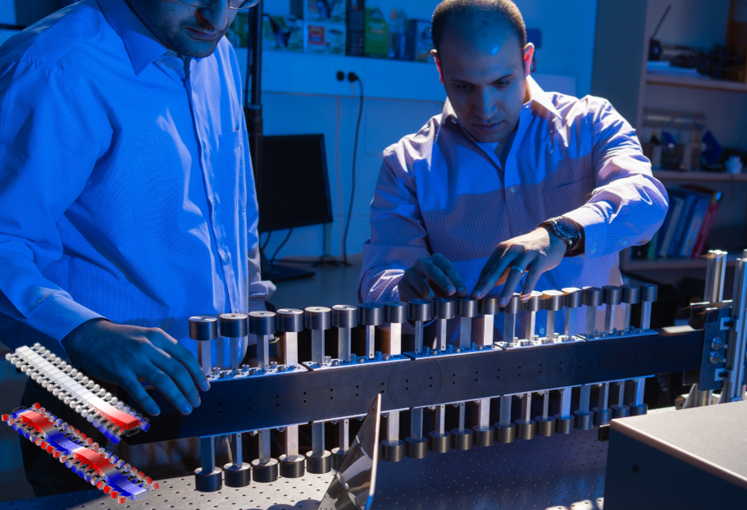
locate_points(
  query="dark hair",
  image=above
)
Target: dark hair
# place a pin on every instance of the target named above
(506, 12)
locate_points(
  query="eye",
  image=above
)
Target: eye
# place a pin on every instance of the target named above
(502, 84)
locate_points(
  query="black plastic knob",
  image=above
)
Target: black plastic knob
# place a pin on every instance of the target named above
(371, 314)
(573, 297)
(488, 305)
(612, 295)
(395, 312)
(203, 328)
(344, 316)
(467, 307)
(444, 308)
(631, 294)
(592, 296)
(233, 325)
(318, 318)
(419, 310)
(290, 320)
(262, 323)
(649, 292)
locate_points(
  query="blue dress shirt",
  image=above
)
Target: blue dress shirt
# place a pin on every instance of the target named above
(126, 189)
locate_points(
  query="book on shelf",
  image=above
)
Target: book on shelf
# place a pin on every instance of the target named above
(709, 218)
(676, 203)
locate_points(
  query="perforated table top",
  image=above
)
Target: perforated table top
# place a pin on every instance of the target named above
(558, 473)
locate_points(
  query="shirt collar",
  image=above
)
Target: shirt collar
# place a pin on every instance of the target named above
(536, 96)
(142, 46)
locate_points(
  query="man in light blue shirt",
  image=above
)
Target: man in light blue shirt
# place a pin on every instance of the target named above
(127, 199)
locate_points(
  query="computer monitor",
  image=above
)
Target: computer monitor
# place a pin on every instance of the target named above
(292, 185)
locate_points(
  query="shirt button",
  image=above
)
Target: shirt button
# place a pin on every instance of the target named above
(512, 189)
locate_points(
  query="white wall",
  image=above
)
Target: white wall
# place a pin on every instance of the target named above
(568, 40)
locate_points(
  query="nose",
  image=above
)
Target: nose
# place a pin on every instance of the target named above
(216, 15)
(484, 104)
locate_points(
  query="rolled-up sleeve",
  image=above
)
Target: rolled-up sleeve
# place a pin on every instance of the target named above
(628, 205)
(398, 235)
(42, 173)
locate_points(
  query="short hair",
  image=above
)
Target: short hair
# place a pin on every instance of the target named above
(505, 11)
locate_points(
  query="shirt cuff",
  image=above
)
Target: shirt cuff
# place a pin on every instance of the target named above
(58, 314)
(595, 229)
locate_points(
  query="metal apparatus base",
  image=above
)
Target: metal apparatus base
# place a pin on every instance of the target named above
(555, 473)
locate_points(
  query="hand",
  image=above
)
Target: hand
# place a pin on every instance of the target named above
(121, 354)
(535, 253)
(431, 277)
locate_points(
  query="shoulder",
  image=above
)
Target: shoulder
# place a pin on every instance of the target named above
(53, 41)
(588, 110)
(414, 149)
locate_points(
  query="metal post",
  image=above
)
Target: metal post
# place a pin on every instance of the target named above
(592, 300)
(371, 315)
(344, 318)
(572, 301)
(443, 310)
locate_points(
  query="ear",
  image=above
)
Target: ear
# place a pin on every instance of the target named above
(434, 53)
(528, 57)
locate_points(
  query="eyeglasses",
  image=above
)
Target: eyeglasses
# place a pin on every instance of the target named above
(232, 4)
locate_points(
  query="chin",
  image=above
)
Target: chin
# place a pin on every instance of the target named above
(483, 137)
(195, 49)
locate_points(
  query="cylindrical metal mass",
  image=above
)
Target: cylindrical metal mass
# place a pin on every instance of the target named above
(344, 316)
(262, 323)
(592, 296)
(290, 320)
(513, 305)
(533, 303)
(611, 295)
(552, 300)
(649, 292)
(371, 314)
(467, 308)
(203, 328)
(318, 318)
(419, 310)
(573, 297)
(233, 325)
(631, 294)
(461, 439)
(395, 312)
(292, 466)
(444, 309)
(488, 305)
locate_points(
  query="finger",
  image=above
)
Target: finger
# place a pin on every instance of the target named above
(429, 272)
(514, 278)
(489, 280)
(418, 284)
(136, 391)
(179, 374)
(165, 385)
(451, 273)
(187, 359)
(532, 278)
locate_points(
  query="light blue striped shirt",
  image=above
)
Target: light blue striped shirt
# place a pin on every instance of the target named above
(439, 191)
(126, 189)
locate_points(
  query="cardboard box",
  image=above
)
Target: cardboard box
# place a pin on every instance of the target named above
(325, 38)
(325, 11)
(283, 33)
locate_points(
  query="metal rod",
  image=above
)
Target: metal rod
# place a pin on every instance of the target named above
(370, 341)
(509, 327)
(465, 333)
(441, 334)
(441, 419)
(621, 393)
(265, 445)
(526, 407)
(344, 435)
(418, 336)
(236, 450)
(235, 353)
(584, 402)
(392, 426)
(317, 438)
(566, 395)
(505, 411)
(604, 396)
(488, 330)
(640, 389)
(343, 343)
(545, 405)
(530, 326)
(609, 318)
(207, 454)
(550, 332)
(461, 416)
(570, 322)
(291, 440)
(591, 320)
(205, 358)
(317, 346)
(646, 315)
(416, 423)
(263, 351)
(737, 342)
(483, 413)
(291, 349)
(395, 339)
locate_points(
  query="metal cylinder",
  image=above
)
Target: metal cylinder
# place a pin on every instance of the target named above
(533, 303)
(649, 292)
(715, 274)
(592, 296)
(631, 294)
(573, 297)
(203, 328)
(371, 314)
(611, 295)
(262, 323)
(489, 305)
(419, 310)
(552, 300)
(318, 318)
(444, 309)
(462, 439)
(344, 316)
(513, 305)
(395, 312)
(467, 308)
(289, 320)
(233, 325)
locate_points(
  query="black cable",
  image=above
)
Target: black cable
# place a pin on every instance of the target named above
(352, 186)
(267, 241)
(272, 260)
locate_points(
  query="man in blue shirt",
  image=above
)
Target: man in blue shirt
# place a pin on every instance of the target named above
(127, 200)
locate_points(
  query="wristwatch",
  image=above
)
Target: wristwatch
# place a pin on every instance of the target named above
(567, 230)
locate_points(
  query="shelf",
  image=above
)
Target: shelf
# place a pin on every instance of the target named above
(698, 83)
(672, 175)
